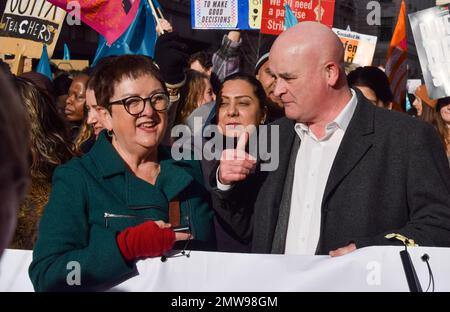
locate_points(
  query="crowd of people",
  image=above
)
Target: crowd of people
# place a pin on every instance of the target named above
(88, 174)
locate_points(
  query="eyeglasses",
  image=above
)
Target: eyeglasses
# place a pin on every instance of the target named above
(135, 105)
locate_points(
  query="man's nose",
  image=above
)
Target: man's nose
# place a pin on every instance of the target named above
(279, 88)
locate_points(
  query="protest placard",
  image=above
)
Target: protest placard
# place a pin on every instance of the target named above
(412, 85)
(19, 64)
(69, 65)
(306, 10)
(231, 14)
(431, 30)
(28, 24)
(359, 48)
(255, 13)
(214, 14)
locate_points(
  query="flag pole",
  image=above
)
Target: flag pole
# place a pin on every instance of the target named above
(160, 13)
(19, 59)
(152, 6)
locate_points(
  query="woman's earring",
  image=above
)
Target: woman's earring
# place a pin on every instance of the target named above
(109, 133)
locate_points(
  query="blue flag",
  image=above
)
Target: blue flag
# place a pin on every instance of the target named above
(66, 53)
(44, 64)
(156, 4)
(289, 18)
(139, 38)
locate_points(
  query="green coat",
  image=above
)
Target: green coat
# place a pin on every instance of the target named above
(95, 197)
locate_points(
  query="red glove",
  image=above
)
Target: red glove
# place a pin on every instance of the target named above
(145, 240)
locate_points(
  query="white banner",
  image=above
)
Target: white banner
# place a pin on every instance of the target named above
(372, 269)
(359, 48)
(213, 14)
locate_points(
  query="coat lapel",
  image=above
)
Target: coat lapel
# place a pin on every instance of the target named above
(357, 140)
(272, 190)
(285, 141)
(133, 191)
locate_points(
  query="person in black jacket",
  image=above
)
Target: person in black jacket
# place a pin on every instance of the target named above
(350, 174)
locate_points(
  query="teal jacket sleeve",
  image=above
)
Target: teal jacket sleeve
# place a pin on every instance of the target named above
(72, 254)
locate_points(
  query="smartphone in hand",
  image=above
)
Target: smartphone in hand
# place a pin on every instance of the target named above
(182, 229)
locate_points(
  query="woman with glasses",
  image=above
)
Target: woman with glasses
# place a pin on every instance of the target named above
(119, 203)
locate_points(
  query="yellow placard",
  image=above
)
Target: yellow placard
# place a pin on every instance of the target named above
(68, 65)
(350, 48)
(255, 8)
(27, 24)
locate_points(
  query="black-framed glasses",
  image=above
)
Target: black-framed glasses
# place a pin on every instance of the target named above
(135, 105)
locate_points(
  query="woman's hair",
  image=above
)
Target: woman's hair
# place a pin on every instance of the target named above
(442, 127)
(113, 69)
(49, 145)
(191, 93)
(258, 89)
(432, 116)
(84, 134)
(203, 57)
(373, 78)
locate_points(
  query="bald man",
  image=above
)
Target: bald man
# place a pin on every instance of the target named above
(350, 174)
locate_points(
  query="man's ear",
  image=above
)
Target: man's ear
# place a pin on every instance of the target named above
(332, 73)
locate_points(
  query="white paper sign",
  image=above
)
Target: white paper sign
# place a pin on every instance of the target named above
(214, 14)
(431, 30)
(359, 48)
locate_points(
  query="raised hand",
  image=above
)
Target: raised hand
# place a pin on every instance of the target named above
(236, 164)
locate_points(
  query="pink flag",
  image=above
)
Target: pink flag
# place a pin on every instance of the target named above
(110, 18)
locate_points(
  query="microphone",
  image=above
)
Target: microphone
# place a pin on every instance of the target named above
(425, 258)
(410, 272)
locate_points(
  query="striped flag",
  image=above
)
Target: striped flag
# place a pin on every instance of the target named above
(397, 59)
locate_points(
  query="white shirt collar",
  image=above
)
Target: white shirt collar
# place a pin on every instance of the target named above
(341, 121)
